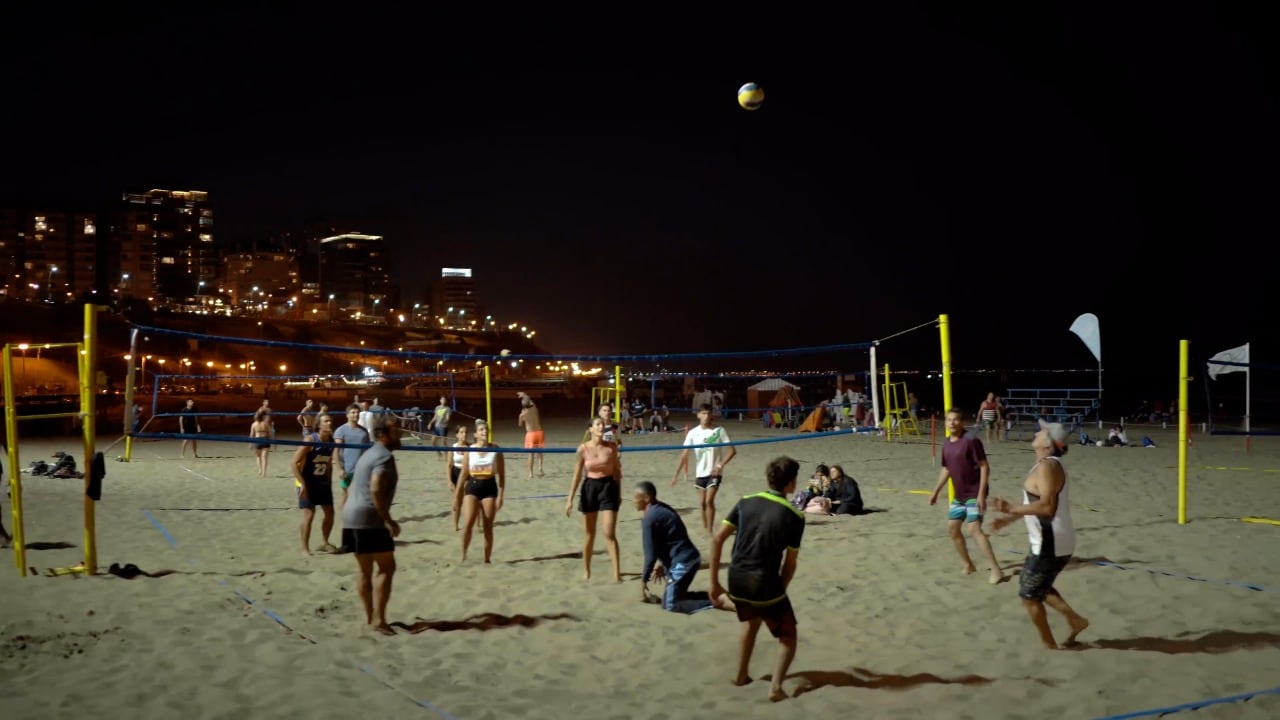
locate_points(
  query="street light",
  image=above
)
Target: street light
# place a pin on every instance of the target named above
(330, 307)
(53, 269)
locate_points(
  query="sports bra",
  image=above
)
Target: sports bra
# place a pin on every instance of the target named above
(483, 464)
(458, 456)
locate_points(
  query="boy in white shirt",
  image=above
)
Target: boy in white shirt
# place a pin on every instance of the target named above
(710, 462)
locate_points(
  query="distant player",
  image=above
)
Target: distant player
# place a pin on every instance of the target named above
(710, 462)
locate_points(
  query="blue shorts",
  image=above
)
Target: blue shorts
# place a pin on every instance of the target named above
(966, 511)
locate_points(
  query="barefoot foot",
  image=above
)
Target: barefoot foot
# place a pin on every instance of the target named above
(740, 681)
(1078, 625)
(777, 694)
(996, 577)
(968, 570)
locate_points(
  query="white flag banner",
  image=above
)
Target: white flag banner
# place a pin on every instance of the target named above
(1234, 355)
(1086, 326)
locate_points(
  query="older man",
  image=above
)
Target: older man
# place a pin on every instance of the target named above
(373, 532)
(667, 552)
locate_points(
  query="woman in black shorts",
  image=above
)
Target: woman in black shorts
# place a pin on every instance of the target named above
(481, 485)
(601, 495)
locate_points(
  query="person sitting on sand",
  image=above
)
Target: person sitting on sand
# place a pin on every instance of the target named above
(1116, 437)
(843, 492)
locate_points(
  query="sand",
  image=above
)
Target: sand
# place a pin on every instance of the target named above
(889, 627)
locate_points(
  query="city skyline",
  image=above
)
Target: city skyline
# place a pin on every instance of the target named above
(1009, 175)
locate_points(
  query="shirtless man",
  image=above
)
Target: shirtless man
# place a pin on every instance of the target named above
(306, 418)
(531, 421)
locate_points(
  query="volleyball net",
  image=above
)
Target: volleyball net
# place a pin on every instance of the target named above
(646, 392)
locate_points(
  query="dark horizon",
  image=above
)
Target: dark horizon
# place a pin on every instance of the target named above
(1011, 171)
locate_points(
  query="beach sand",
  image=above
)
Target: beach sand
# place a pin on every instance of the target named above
(889, 627)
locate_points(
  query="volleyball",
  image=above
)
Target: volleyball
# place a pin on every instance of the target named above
(750, 96)
(505, 352)
(1100, 443)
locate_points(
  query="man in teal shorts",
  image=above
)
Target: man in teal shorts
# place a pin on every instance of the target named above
(965, 461)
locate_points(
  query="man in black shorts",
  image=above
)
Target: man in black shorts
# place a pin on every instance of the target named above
(313, 476)
(367, 514)
(764, 560)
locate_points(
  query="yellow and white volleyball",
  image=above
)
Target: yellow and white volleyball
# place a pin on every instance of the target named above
(505, 352)
(750, 96)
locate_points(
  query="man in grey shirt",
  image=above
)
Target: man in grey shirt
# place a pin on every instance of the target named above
(351, 433)
(367, 514)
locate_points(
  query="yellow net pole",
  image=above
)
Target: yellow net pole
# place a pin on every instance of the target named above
(129, 389)
(15, 475)
(617, 395)
(488, 405)
(88, 408)
(944, 334)
(888, 405)
(1183, 381)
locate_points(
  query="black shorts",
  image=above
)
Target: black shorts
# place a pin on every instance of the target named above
(318, 493)
(600, 494)
(1038, 574)
(709, 481)
(455, 472)
(482, 488)
(262, 444)
(777, 616)
(368, 541)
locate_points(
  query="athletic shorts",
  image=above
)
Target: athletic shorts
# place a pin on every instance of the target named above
(966, 511)
(455, 472)
(318, 494)
(710, 481)
(482, 488)
(534, 439)
(1038, 574)
(367, 541)
(266, 444)
(439, 430)
(600, 494)
(777, 616)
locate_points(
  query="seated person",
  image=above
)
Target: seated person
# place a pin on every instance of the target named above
(843, 492)
(814, 489)
(1116, 437)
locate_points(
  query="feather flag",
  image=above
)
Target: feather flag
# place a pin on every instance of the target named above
(1237, 357)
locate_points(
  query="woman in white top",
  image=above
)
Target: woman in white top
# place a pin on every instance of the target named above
(480, 490)
(453, 462)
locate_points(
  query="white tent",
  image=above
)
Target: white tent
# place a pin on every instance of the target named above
(773, 385)
(771, 392)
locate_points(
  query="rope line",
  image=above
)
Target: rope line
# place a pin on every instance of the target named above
(931, 323)
(1159, 712)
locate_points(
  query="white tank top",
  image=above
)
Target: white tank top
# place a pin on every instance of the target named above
(1058, 536)
(458, 456)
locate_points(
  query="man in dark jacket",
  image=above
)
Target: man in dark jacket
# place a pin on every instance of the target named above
(668, 551)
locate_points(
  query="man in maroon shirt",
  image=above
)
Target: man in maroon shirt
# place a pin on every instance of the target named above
(965, 461)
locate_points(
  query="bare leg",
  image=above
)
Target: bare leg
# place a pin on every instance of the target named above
(541, 468)
(709, 509)
(957, 538)
(364, 585)
(382, 591)
(1035, 609)
(531, 465)
(609, 524)
(588, 542)
(984, 544)
(786, 653)
(326, 527)
(488, 509)
(469, 511)
(1075, 620)
(746, 644)
(305, 529)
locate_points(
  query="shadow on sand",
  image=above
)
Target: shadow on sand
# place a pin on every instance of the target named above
(59, 545)
(1212, 643)
(483, 621)
(863, 678)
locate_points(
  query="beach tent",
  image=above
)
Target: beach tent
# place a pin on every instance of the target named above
(814, 422)
(771, 392)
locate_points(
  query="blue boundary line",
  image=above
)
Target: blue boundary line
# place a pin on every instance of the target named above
(274, 616)
(1242, 697)
(1166, 573)
(515, 450)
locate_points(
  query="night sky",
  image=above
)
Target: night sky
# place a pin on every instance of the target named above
(1011, 170)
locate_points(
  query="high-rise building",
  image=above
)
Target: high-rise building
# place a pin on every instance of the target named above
(254, 278)
(453, 299)
(354, 271)
(164, 244)
(48, 255)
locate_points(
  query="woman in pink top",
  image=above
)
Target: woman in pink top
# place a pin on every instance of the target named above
(601, 495)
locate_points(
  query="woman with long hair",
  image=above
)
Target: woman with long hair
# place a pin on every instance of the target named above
(599, 474)
(481, 486)
(260, 431)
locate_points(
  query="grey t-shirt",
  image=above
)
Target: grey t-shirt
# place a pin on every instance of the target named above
(377, 418)
(359, 512)
(349, 435)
